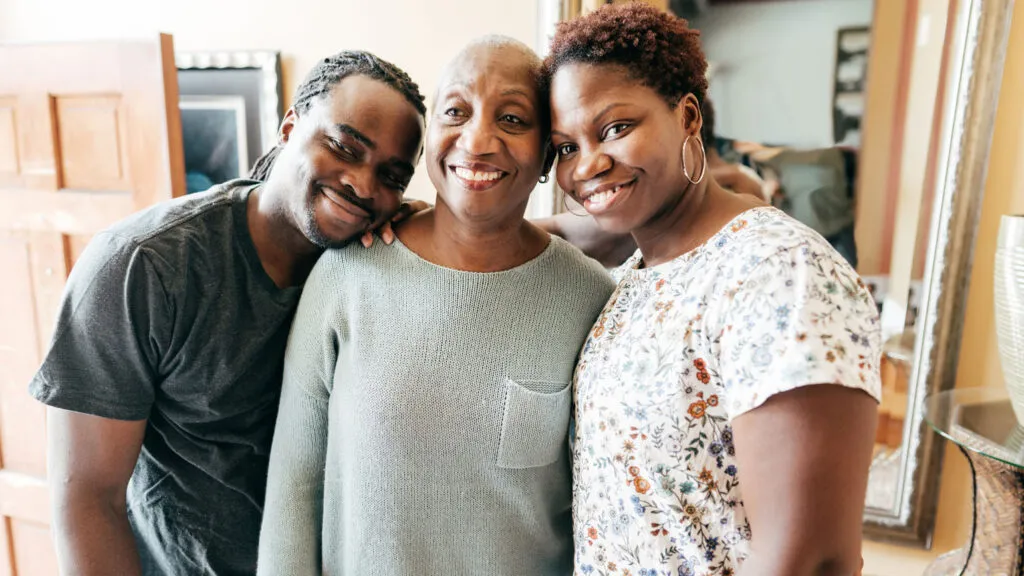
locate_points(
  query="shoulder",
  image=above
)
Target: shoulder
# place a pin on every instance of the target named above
(187, 214)
(341, 271)
(766, 238)
(568, 260)
(767, 256)
(174, 232)
(576, 281)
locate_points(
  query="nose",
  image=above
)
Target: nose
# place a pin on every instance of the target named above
(591, 165)
(477, 138)
(361, 180)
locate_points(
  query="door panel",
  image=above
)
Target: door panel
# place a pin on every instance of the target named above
(33, 550)
(90, 142)
(89, 133)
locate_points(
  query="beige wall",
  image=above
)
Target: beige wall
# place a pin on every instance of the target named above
(418, 35)
(979, 359)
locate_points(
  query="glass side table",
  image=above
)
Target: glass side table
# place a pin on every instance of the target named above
(981, 422)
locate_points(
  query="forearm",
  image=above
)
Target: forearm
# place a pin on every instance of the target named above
(93, 536)
(583, 232)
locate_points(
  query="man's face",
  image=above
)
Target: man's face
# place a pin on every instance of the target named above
(348, 159)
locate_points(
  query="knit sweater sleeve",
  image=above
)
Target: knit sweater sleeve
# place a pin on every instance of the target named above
(290, 539)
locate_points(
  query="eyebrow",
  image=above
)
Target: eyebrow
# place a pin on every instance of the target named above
(607, 109)
(597, 118)
(515, 91)
(362, 138)
(394, 162)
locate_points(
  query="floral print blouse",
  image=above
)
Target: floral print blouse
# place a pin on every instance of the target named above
(765, 306)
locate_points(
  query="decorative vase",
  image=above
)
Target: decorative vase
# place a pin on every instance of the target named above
(1009, 307)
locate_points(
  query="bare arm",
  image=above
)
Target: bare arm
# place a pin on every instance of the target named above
(90, 460)
(732, 178)
(584, 233)
(803, 458)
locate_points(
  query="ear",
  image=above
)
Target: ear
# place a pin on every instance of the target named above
(549, 158)
(689, 115)
(287, 125)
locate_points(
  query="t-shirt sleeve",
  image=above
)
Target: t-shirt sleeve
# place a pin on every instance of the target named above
(111, 334)
(800, 317)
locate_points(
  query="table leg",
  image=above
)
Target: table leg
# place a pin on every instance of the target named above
(997, 533)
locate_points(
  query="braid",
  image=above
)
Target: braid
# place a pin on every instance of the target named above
(261, 169)
(326, 75)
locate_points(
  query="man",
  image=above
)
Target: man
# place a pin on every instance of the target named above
(164, 373)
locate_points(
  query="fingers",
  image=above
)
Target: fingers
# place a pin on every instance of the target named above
(408, 209)
(387, 233)
(404, 212)
(367, 239)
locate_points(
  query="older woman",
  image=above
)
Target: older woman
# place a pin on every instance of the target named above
(726, 397)
(425, 411)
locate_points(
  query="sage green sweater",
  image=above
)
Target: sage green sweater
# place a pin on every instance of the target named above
(424, 417)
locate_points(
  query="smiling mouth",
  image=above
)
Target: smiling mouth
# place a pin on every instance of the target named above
(346, 202)
(602, 201)
(477, 179)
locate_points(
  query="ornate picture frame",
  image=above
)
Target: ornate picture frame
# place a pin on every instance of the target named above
(231, 103)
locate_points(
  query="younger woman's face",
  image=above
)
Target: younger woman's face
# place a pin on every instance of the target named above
(619, 144)
(485, 142)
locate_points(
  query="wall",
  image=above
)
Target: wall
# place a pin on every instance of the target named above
(417, 35)
(979, 357)
(774, 67)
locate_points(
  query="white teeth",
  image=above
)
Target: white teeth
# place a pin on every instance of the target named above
(604, 197)
(467, 174)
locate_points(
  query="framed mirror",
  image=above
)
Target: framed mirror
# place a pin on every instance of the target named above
(870, 121)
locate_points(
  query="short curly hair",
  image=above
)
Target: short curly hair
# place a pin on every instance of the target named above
(656, 48)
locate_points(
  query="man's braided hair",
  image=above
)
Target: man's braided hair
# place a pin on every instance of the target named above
(326, 75)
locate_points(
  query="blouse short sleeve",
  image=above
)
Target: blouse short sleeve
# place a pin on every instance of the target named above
(800, 317)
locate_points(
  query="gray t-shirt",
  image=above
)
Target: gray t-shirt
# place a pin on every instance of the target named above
(169, 316)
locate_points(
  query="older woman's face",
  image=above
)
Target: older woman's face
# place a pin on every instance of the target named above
(485, 143)
(619, 145)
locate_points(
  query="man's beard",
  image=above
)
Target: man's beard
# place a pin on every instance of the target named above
(311, 230)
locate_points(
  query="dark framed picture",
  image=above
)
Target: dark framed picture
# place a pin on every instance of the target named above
(230, 111)
(852, 46)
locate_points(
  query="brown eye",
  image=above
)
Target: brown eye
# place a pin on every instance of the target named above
(615, 130)
(341, 150)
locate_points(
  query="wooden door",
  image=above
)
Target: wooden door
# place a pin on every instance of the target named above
(89, 133)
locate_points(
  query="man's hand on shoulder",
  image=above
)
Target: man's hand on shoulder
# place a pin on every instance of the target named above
(386, 232)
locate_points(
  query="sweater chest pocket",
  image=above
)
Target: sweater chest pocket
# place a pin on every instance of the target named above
(535, 423)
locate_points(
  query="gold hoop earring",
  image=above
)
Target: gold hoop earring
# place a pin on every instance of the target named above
(704, 161)
(569, 210)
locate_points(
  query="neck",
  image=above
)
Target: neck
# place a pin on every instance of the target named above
(284, 251)
(700, 211)
(442, 237)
